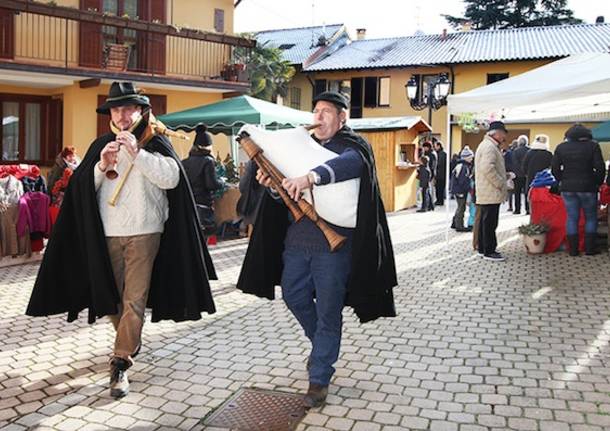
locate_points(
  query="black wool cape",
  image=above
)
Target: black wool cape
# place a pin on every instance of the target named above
(76, 272)
(373, 273)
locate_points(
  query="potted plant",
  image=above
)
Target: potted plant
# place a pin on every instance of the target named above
(534, 236)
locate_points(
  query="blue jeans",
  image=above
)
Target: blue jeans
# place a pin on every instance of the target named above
(574, 201)
(322, 276)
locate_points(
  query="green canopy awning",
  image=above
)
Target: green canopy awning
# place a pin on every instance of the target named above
(602, 132)
(227, 115)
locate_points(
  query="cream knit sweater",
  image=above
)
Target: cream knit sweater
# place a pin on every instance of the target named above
(142, 207)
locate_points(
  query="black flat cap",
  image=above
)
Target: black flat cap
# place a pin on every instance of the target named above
(333, 97)
(578, 132)
(497, 125)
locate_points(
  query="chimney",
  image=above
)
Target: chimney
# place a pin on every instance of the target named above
(444, 34)
(361, 33)
(600, 20)
(466, 26)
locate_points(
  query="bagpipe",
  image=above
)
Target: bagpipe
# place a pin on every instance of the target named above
(293, 153)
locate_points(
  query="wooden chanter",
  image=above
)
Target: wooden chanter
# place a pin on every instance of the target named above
(300, 208)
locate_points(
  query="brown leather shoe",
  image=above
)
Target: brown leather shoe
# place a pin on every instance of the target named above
(316, 395)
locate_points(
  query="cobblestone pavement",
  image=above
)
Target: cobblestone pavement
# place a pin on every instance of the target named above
(477, 346)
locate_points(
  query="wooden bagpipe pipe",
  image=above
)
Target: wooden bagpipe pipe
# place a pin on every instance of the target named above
(304, 154)
(153, 127)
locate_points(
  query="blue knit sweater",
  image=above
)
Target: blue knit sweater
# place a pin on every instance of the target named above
(305, 235)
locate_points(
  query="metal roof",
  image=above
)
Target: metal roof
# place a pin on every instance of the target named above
(387, 123)
(527, 43)
(303, 40)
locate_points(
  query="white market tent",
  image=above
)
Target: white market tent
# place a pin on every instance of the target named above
(575, 85)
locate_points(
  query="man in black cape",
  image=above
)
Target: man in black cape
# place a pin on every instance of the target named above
(361, 274)
(145, 250)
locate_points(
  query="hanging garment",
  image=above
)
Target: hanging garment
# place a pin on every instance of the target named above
(11, 190)
(34, 213)
(12, 244)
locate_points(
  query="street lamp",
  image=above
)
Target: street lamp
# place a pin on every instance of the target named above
(438, 90)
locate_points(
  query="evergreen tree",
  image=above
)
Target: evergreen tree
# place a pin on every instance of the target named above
(268, 72)
(499, 14)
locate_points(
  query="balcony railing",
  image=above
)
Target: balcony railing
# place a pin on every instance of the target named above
(44, 35)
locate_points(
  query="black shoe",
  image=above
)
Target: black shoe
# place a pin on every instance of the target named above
(517, 212)
(316, 395)
(510, 210)
(495, 256)
(573, 245)
(421, 210)
(464, 229)
(439, 204)
(119, 384)
(591, 244)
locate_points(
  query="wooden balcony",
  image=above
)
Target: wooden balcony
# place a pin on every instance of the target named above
(38, 37)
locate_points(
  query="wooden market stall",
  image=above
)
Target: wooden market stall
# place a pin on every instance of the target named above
(395, 143)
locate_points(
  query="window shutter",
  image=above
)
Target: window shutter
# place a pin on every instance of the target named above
(151, 46)
(103, 121)
(90, 37)
(55, 129)
(7, 33)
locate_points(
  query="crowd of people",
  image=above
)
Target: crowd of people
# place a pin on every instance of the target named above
(500, 173)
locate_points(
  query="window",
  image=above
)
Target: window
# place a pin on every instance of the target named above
(376, 91)
(495, 77)
(370, 91)
(31, 128)
(319, 86)
(219, 20)
(295, 97)
(114, 35)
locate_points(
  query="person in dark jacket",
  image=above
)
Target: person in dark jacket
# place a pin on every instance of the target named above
(508, 162)
(424, 176)
(537, 159)
(317, 283)
(460, 186)
(251, 193)
(579, 167)
(441, 173)
(201, 171)
(517, 157)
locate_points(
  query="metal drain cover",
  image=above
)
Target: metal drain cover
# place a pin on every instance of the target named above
(259, 410)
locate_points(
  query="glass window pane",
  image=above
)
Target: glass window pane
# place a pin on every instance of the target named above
(32, 131)
(130, 7)
(111, 6)
(10, 131)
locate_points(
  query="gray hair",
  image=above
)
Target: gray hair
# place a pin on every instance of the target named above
(523, 140)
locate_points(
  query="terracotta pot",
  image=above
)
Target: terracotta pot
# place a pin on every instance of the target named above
(534, 244)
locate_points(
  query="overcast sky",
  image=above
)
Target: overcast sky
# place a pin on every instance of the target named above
(381, 18)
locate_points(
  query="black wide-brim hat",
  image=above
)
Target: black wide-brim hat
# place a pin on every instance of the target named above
(122, 94)
(333, 97)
